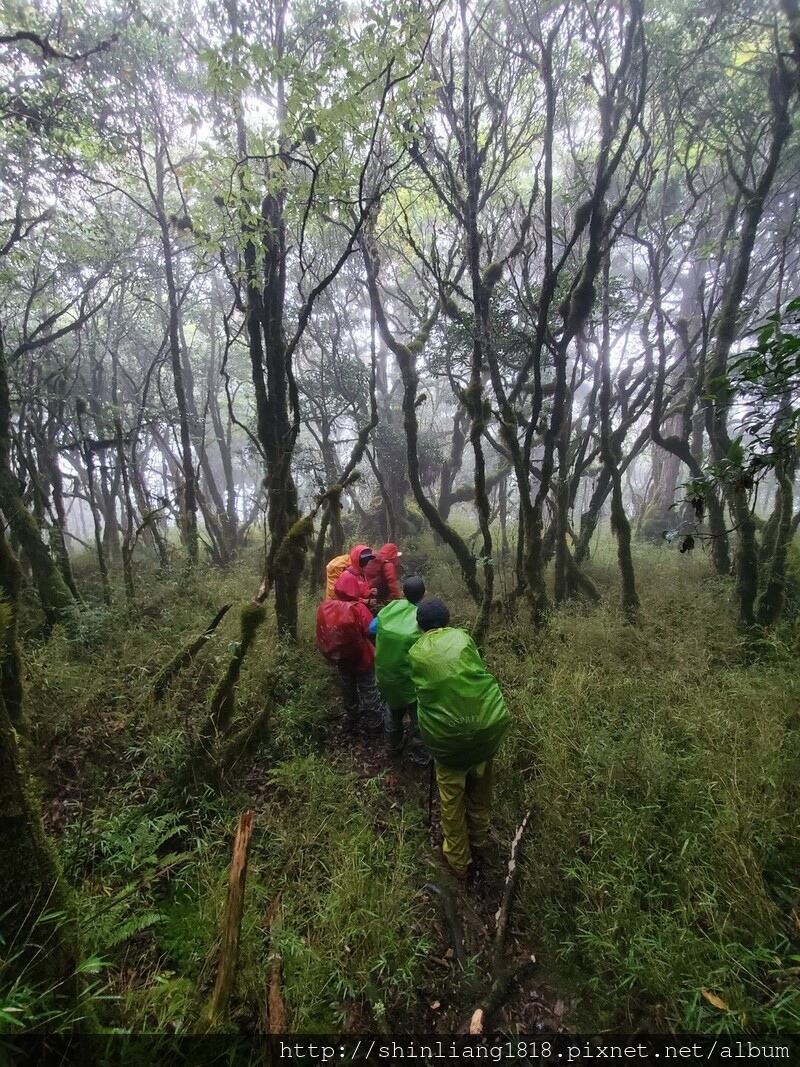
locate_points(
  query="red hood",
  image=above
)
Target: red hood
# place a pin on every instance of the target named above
(355, 554)
(389, 553)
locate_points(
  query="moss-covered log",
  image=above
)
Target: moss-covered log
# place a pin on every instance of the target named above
(186, 655)
(222, 702)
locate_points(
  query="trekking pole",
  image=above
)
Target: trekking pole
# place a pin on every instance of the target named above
(430, 795)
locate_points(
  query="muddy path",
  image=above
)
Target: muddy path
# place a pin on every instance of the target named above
(460, 977)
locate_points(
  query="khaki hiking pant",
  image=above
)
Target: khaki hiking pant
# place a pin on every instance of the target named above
(466, 800)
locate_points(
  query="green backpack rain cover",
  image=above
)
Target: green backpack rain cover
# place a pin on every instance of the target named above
(461, 712)
(397, 632)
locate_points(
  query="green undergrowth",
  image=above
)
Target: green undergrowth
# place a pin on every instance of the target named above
(346, 891)
(663, 769)
(332, 857)
(659, 882)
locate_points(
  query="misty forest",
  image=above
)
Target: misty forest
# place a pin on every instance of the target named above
(509, 284)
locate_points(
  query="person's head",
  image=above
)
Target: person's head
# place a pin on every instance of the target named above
(432, 615)
(360, 556)
(389, 553)
(413, 589)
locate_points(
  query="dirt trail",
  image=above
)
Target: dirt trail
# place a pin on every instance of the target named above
(447, 1002)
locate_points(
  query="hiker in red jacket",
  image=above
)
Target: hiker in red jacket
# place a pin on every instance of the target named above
(352, 583)
(381, 574)
(343, 638)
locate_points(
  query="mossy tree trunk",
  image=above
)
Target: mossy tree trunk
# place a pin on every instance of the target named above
(720, 396)
(56, 599)
(480, 293)
(776, 538)
(609, 451)
(272, 343)
(39, 952)
(406, 361)
(88, 447)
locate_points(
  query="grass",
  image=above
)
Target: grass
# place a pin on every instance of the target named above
(662, 763)
(663, 775)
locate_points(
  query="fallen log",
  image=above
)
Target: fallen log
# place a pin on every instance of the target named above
(276, 1010)
(231, 926)
(504, 910)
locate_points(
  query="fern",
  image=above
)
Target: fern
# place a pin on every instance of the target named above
(135, 924)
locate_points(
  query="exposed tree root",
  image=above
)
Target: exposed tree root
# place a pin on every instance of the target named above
(502, 988)
(504, 911)
(506, 979)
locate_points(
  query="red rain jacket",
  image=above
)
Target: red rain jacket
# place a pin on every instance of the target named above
(342, 629)
(352, 584)
(381, 574)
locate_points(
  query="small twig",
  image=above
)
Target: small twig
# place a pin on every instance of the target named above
(504, 910)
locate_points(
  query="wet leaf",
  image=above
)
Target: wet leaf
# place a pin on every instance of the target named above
(712, 998)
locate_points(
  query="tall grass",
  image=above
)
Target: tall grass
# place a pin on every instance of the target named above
(663, 772)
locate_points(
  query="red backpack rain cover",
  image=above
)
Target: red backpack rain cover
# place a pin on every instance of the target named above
(340, 631)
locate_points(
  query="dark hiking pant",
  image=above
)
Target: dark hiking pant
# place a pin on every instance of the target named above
(397, 735)
(362, 701)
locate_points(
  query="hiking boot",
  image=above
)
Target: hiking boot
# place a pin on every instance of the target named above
(372, 725)
(459, 873)
(488, 852)
(394, 737)
(418, 754)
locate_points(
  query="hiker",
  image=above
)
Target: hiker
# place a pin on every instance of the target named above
(462, 720)
(396, 630)
(342, 627)
(381, 573)
(352, 583)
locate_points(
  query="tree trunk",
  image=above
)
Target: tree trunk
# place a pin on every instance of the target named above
(57, 601)
(189, 506)
(36, 929)
(609, 450)
(88, 448)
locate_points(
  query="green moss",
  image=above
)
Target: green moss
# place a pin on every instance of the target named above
(291, 553)
(251, 617)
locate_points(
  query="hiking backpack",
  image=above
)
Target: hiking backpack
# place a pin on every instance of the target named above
(397, 631)
(333, 573)
(460, 710)
(340, 632)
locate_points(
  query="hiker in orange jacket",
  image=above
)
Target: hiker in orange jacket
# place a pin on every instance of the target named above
(381, 574)
(352, 583)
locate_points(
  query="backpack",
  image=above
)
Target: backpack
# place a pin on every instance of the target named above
(340, 632)
(333, 572)
(397, 631)
(460, 710)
